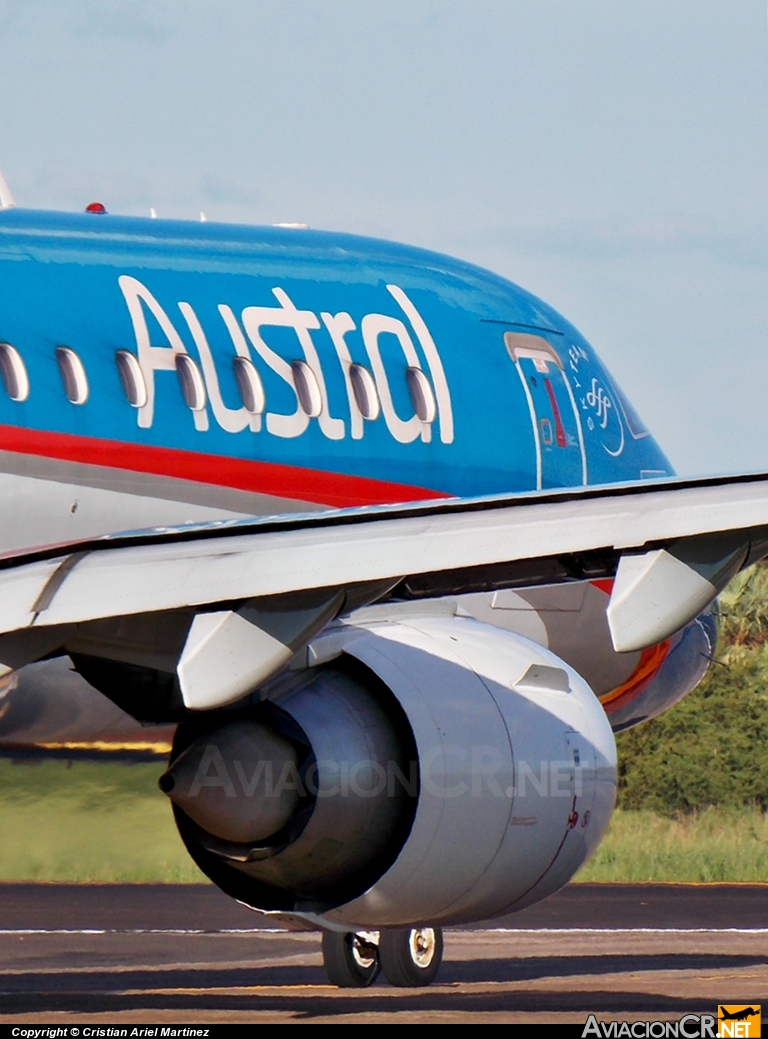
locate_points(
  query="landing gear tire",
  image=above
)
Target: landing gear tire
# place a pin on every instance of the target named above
(411, 958)
(351, 961)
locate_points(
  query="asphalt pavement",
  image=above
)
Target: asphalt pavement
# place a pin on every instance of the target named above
(149, 953)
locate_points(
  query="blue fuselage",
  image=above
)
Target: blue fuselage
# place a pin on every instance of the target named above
(519, 399)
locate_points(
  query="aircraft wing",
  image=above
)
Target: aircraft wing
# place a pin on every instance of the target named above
(265, 587)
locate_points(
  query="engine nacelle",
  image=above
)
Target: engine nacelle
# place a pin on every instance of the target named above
(439, 771)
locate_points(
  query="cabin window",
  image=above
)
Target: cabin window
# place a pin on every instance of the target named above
(73, 375)
(13, 372)
(249, 385)
(422, 397)
(131, 378)
(307, 389)
(191, 382)
(364, 389)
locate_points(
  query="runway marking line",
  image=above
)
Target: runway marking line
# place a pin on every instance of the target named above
(148, 930)
(620, 930)
(218, 990)
(24, 931)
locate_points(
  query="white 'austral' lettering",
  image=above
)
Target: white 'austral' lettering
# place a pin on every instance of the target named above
(444, 409)
(233, 420)
(154, 357)
(301, 321)
(373, 326)
(338, 325)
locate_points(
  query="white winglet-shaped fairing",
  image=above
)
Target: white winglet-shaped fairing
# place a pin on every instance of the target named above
(657, 593)
(228, 653)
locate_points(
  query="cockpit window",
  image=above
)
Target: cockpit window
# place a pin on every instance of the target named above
(634, 423)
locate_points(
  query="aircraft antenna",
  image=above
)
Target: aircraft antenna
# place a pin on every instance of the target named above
(6, 198)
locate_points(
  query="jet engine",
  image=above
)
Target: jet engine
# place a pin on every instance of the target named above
(433, 769)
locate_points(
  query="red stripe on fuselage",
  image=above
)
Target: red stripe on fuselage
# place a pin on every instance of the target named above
(282, 481)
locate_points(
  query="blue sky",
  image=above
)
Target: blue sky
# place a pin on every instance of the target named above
(611, 157)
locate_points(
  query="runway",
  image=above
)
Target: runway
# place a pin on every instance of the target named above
(76, 954)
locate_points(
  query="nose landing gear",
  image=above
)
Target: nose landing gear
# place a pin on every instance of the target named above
(408, 957)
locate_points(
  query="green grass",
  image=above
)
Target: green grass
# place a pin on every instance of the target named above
(107, 822)
(91, 821)
(714, 845)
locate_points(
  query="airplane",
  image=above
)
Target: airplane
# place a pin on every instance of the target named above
(375, 530)
(739, 1015)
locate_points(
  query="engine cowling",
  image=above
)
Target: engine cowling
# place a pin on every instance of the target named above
(438, 771)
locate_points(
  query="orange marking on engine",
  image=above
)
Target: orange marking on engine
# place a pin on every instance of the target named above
(649, 663)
